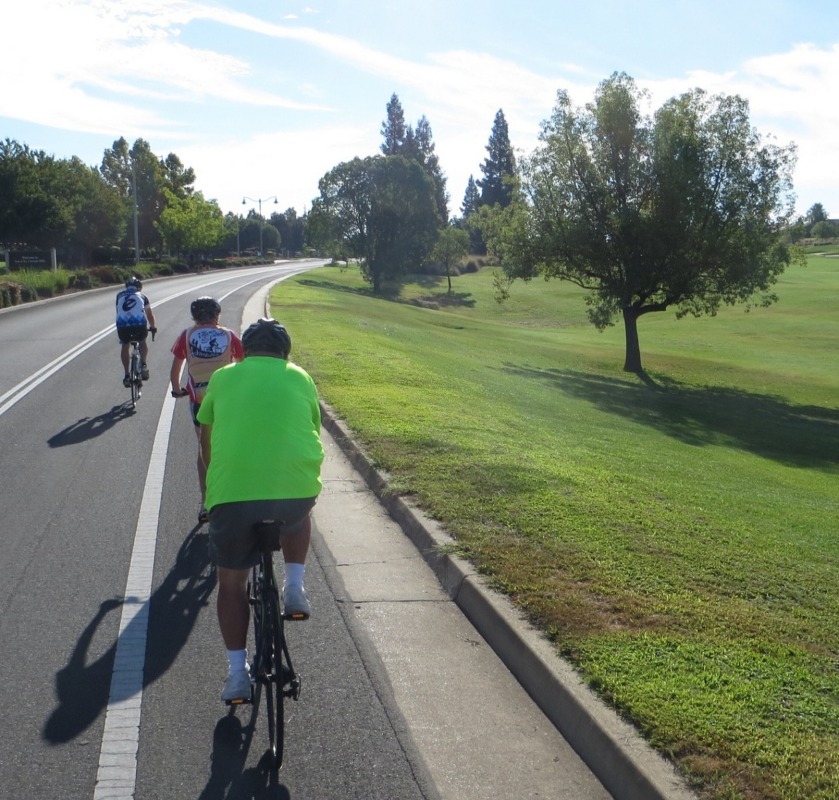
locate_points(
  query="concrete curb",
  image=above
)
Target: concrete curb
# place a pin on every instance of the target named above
(612, 749)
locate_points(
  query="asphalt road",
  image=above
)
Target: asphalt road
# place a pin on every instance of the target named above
(111, 660)
(74, 462)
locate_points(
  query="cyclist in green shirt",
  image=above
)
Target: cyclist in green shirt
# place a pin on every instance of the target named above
(260, 436)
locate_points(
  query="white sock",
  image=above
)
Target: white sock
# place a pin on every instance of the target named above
(237, 659)
(294, 574)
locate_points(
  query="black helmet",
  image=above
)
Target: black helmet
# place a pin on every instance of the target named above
(135, 282)
(267, 335)
(205, 309)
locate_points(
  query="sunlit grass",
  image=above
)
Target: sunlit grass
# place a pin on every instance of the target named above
(674, 536)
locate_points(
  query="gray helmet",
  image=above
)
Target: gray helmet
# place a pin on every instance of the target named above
(267, 335)
(205, 309)
(135, 282)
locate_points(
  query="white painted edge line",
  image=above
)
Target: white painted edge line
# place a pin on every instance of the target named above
(18, 392)
(116, 777)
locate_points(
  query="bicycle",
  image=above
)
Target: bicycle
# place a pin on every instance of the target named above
(271, 668)
(135, 373)
(135, 369)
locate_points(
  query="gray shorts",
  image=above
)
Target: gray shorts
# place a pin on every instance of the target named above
(233, 526)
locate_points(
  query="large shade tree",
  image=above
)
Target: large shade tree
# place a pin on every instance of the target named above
(680, 210)
(143, 178)
(190, 224)
(381, 209)
(49, 202)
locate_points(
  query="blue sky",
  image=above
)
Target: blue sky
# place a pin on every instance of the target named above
(263, 97)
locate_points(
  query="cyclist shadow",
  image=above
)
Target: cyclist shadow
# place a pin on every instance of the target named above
(83, 688)
(90, 427)
(229, 779)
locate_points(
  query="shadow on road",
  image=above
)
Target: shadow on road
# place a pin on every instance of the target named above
(91, 427)
(84, 689)
(229, 780)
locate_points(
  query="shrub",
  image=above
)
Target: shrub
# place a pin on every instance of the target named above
(83, 279)
(108, 274)
(10, 294)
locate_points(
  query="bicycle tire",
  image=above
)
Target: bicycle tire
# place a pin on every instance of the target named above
(134, 377)
(274, 694)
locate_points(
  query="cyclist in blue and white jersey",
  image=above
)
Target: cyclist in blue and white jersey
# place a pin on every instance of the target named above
(134, 320)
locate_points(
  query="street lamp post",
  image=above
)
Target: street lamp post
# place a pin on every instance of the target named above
(136, 226)
(261, 221)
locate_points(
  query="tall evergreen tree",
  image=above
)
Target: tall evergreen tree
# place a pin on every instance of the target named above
(499, 168)
(418, 144)
(470, 205)
(471, 199)
(393, 128)
(431, 163)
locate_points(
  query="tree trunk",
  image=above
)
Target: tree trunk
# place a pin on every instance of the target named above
(632, 362)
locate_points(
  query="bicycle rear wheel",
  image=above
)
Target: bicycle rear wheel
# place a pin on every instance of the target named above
(135, 378)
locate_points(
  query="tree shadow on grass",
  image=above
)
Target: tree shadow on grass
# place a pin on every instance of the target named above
(393, 292)
(389, 292)
(765, 425)
(445, 300)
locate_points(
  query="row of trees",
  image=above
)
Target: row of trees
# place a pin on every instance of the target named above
(101, 214)
(814, 224)
(685, 209)
(136, 200)
(391, 210)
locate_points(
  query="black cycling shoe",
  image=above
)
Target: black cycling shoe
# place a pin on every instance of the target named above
(144, 372)
(126, 381)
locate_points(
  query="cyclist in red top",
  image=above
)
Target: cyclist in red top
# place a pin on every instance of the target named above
(204, 347)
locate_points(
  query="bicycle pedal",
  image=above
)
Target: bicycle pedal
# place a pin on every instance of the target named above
(239, 701)
(296, 616)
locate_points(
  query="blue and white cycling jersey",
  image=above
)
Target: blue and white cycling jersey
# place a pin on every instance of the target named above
(131, 306)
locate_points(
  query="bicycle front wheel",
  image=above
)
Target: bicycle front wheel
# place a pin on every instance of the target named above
(274, 695)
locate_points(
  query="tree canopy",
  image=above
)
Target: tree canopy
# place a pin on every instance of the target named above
(682, 210)
(190, 224)
(381, 209)
(50, 202)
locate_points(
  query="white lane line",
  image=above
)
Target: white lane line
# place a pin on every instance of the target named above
(18, 392)
(117, 775)
(42, 374)
(116, 778)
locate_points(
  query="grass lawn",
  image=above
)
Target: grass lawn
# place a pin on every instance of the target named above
(675, 536)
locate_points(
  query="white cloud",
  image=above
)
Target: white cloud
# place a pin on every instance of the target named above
(129, 68)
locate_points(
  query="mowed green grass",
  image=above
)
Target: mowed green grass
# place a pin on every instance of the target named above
(674, 536)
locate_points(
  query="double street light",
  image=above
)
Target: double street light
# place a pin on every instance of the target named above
(261, 221)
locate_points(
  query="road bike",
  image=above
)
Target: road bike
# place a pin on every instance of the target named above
(271, 669)
(135, 369)
(135, 373)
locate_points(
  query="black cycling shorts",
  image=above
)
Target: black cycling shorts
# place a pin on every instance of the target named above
(132, 333)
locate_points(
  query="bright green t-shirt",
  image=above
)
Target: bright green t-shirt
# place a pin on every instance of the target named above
(265, 442)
